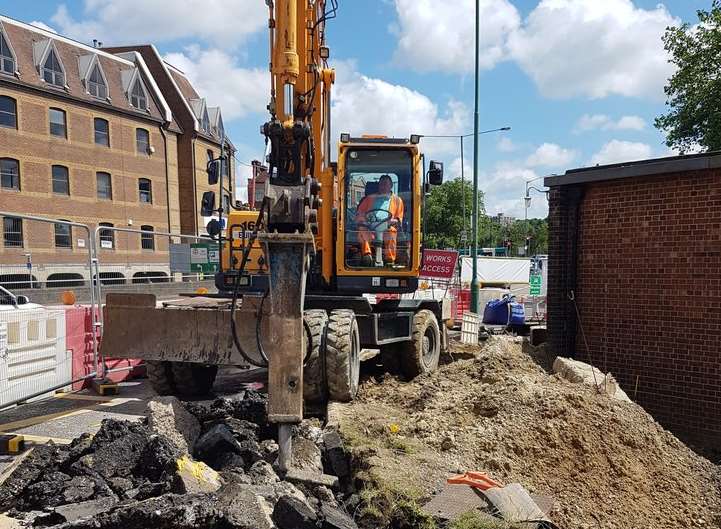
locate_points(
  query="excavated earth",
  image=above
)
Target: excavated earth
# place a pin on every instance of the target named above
(494, 408)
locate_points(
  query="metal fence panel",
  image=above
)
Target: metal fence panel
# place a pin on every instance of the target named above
(39, 258)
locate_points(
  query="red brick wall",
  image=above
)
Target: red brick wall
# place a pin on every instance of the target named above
(648, 287)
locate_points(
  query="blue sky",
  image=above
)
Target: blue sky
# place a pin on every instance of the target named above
(579, 81)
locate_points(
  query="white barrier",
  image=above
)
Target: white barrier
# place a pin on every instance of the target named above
(469, 328)
(33, 355)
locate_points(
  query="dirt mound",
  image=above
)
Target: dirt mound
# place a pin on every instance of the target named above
(607, 463)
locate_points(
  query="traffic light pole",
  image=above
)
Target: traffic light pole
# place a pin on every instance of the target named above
(474, 223)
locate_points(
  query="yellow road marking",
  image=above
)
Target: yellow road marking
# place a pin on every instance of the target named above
(32, 421)
(76, 396)
(43, 439)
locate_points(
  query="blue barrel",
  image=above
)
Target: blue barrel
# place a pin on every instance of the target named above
(518, 314)
(496, 312)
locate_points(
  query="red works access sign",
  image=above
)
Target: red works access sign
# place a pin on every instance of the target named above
(439, 264)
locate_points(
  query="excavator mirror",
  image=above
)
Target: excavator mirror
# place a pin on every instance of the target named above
(207, 204)
(435, 173)
(214, 168)
(214, 228)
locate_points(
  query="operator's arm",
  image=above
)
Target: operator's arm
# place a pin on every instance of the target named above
(399, 209)
(363, 207)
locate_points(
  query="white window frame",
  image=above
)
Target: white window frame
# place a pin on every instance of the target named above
(138, 81)
(13, 55)
(95, 63)
(46, 56)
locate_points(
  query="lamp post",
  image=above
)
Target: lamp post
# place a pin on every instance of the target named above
(461, 137)
(474, 220)
(527, 203)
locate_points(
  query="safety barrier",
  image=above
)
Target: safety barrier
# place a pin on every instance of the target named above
(44, 347)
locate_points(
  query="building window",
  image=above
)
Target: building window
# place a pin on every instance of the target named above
(138, 99)
(7, 60)
(58, 126)
(53, 71)
(8, 112)
(63, 236)
(61, 180)
(13, 232)
(147, 240)
(96, 84)
(10, 173)
(106, 236)
(102, 132)
(142, 141)
(105, 185)
(205, 123)
(145, 188)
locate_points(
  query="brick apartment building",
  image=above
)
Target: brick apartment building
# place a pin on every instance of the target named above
(639, 246)
(201, 141)
(92, 137)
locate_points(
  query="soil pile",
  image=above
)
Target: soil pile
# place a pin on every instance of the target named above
(607, 463)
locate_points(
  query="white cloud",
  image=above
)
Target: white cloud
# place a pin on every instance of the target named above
(589, 122)
(505, 186)
(506, 145)
(440, 35)
(115, 22)
(616, 151)
(551, 155)
(594, 48)
(42, 25)
(217, 77)
(365, 105)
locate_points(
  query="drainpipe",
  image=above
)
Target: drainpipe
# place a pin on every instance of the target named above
(195, 188)
(167, 176)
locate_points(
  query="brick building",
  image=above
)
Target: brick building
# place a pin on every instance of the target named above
(92, 137)
(256, 184)
(638, 246)
(201, 141)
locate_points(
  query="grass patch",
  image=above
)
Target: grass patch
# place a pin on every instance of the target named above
(473, 520)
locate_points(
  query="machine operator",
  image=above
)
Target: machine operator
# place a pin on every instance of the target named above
(380, 215)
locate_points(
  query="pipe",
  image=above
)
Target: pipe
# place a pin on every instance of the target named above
(48, 390)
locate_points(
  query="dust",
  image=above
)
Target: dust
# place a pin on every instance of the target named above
(495, 409)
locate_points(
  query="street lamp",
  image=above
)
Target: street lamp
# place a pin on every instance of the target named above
(461, 137)
(527, 203)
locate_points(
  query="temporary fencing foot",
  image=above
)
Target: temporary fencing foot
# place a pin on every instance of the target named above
(11, 444)
(105, 386)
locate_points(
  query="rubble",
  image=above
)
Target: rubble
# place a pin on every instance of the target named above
(580, 372)
(167, 416)
(187, 465)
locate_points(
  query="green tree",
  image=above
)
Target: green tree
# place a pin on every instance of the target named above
(694, 92)
(444, 214)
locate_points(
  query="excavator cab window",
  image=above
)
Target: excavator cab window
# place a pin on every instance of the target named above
(378, 202)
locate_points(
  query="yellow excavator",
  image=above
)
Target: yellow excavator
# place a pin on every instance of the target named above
(299, 277)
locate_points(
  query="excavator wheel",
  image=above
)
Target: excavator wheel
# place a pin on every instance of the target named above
(193, 380)
(421, 354)
(313, 379)
(342, 356)
(160, 375)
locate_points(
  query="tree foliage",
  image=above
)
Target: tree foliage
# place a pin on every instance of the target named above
(444, 214)
(444, 222)
(694, 92)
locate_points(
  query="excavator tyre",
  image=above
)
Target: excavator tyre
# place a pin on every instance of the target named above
(183, 379)
(422, 353)
(342, 356)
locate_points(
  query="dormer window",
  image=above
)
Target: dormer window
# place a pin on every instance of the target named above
(138, 97)
(96, 84)
(52, 70)
(205, 124)
(7, 59)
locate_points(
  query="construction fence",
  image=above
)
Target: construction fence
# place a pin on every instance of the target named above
(54, 275)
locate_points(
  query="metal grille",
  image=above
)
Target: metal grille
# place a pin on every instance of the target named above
(13, 232)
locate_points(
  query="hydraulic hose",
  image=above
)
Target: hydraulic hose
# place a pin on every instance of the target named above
(236, 289)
